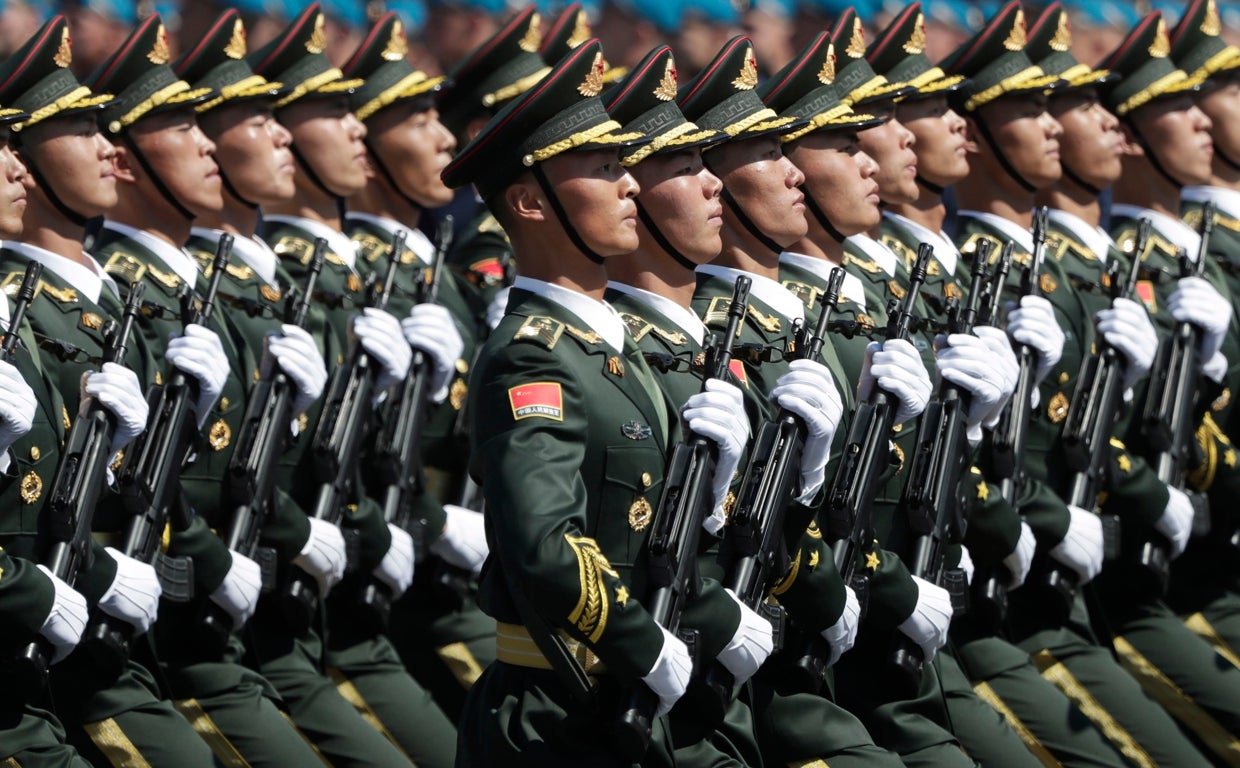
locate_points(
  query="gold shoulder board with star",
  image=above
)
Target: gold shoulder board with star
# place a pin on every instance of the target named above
(899, 248)
(638, 328)
(538, 329)
(294, 248)
(490, 224)
(369, 247)
(125, 268)
(970, 246)
(12, 283)
(808, 294)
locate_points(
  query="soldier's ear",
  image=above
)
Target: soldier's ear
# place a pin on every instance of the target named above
(1130, 146)
(124, 164)
(971, 136)
(525, 200)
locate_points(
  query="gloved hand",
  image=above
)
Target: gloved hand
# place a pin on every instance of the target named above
(1021, 558)
(1082, 546)
(463, 542)
(396, 568)
(899, 370)
(430, 328)
(842, 635)
(1176, 522)
(238, 593)
(1126, 326)
(323, 556)
(1005, 365)
(380, 335)
(669, 677)
(17, 405)
(133, 596)
(808, 390)
(966, 564)
(970, 363)
(200, 355)
(66, 621)
(1033, 323)
(1216, 367)
(931, 617)
(718, 415)
(298, 356)
(498, 307)
(751, 644)
(1196, 301)
(117, 390)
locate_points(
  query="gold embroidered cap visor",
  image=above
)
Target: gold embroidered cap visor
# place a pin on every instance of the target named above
(562, 113)
(1148, 72)
(296, 59)
(36, 80)
(805, 90)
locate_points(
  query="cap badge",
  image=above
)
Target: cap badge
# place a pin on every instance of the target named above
(160, 54)
(1211, 25)
(1161, 46)
(236, 45)
(748, 78)
(856, 45)
(666, 89)
(397, 47)
(64, 55)
(826, 75)
(1062, 41)
(917, 43)
(532, 38)
(1016, 39)
(581, 30)
(593, 84)
(318, 38)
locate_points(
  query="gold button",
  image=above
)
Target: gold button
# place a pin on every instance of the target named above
(35, 453)
(223, 403)
(646, 479)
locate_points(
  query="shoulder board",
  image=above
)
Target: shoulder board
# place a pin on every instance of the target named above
(717, 312)
(1060, 245)
(1157, 244)
(898, 247)
(638, 328)
(542, 330)
(671, 337)
(125, 268)
(489, 224)
(369, 247)
(589, 337)
(866, 264)
(206, 259)
(12, 283)
(808, 294)
(1193, 219)
(301, 249)
(970, 246)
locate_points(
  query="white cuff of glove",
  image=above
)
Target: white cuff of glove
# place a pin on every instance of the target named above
(1215, 369)
(669, 677)
(966, 564)
(133, 596)
(238, 593)
(842, 635)
(463, 542)
(199, 354)
(1082, 546)
(1021, 558)
(1176, 522)
(928, 625)
(323, 555)
(750, 645)
(396, 568)
(66, 621)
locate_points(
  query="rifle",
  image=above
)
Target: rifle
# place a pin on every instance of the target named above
(675, 532)
(336, 446)
(1169, 423)
(80, 478)
(261, 441)
(931, 497)
(1087, 430)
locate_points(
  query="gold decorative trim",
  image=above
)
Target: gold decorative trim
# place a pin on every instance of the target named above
(856, 43)
(593, 84)
(461, 662)
(602, 134)
(1017, 38)
(116, 747)
(917, 42)
(1202, 627)
(514, 89)
(310, 84)
(747, 80)
(236, 44)
(593, 606)
(206, 728)
(666, 89)
(349, 692)
(31, 487)
(531, 41)
(988, 694)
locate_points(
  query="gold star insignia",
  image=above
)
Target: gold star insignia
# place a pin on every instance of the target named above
(871, 561)
(1125, 463)
(983, 491)
(622, 595)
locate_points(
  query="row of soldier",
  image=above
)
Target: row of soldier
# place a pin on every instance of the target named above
(873, 503)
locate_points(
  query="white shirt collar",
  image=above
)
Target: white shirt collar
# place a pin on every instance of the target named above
(1172, 228)
(945, 251)
(850, 290)
(683, 317)
(340, 245)
(766, 290)
(415, 239)
(598, 316)
(880, 253)
(177, 259)
(1094, 238)
(1013, 231)
(87, 279)
(253, 251)
(1227, 200)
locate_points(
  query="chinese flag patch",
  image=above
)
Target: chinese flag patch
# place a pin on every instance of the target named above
(488, 267)
(542, 398)
(1145, 290)
(738, 370)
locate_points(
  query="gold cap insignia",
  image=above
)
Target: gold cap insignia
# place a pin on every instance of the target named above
(236, 46)
(1211, 25)
(318, 38)
(1062, 40)
(1016, 39)
(748, 78)
(826, 75)
(1161, 47)
(917, 43)
(160, 54)
(856, 44)
(640, 514)
(219, 436)
(581, 30)
(532, 38)
(397, 47)
(593, 84)
(64, 54)
(31, 487)
(666, 89)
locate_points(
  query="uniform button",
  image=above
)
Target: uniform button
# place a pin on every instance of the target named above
(646, 480)
(35, 453)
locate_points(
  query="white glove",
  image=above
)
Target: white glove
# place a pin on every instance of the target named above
(238, 593)
(382, 338)
(899, 370)
(1021, 558)
(750, 646)
(117, 390)
(669, 676)
(323, 556)
(842, 635)
(1196, 301)
(1126, 326)
(1082, 546)
(65, 623)
(931, 617)
(17, 405)
(1216, 367)
(969, 362)
(808, 391)
(498, 307)
(1176, 522)
(718, 415)
(298, 356)
(1005, 365)
(430, 328)
(1033, 323)
(463, 542)
(199, 354)
(133, 596)
(966, 564)
(396, 568)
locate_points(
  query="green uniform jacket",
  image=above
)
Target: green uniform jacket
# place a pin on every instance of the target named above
(482, 256)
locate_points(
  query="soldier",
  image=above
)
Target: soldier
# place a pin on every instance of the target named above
(566, 487)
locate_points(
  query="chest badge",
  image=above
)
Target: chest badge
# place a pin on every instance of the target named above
(639, 514)
(31, 487)
(219, 436)
(635, 431)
